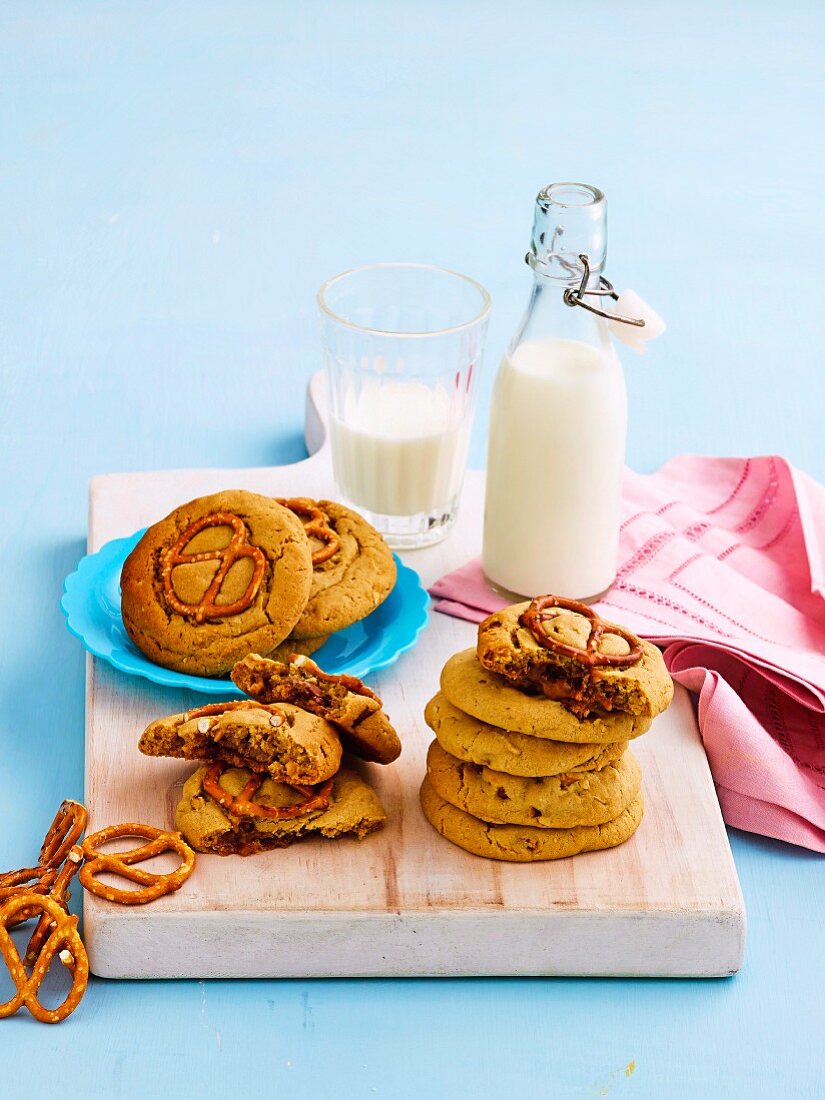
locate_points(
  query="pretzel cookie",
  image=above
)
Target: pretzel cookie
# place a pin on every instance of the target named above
(564, 651)
(343, 700)
(353, 568)
(220, 577)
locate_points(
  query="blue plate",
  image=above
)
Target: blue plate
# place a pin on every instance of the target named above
(91, 604)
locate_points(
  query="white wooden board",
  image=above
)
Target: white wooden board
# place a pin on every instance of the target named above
(402, 902)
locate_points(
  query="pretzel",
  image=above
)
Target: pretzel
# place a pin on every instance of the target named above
(59, 892)
(64, 832)
(120, 863)
(63, 937)
(242, 805)
(317, 527)
(238, 547)
(351, 683)
(537, 615)
(28, 880)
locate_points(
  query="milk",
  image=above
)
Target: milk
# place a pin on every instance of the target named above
(399, 448)
(558, 423)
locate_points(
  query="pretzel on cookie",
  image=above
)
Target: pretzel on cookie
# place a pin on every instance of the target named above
(121, 863)
(242, 805)
(351, 683)
(545, 609)
(62, 940)
(238, 546)
(316, 526)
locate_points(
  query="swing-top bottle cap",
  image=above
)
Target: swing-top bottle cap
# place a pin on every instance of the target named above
(571, 219)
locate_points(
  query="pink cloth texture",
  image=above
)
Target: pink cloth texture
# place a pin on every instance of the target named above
(722, 564)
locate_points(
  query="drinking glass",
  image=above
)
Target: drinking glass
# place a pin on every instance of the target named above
(403, 346)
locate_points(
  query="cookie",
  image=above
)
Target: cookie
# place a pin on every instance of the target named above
(563, 650)
(343, 700)
(220, 577)
(354, 809)
(477, 742)
(282, 740)
(353, 572)
(485, 695)
(523, 843)
(555, 802)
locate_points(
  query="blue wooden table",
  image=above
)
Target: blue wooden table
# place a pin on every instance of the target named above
(175, 182)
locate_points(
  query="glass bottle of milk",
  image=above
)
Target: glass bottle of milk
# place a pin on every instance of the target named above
(558, 419)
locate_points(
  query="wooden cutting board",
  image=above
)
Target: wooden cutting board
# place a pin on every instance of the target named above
(404, 901)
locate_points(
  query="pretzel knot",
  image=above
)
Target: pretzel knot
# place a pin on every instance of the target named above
(64, 832)
(241, 804)
(63, 937)
(28, 880)
(544, 609)
(316, 526)
(238, 547)
(48, 877)
(59, 892)
(120, 863)
(351, 683)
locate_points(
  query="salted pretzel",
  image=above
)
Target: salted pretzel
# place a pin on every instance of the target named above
(62, 940)
(238, 547)
(315, 798)
(64, 832)
(120, 863)
(59, 892)
(316, 526)
(28, 880)
(544, 609)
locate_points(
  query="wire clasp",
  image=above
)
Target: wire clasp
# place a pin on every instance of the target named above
(605, 290)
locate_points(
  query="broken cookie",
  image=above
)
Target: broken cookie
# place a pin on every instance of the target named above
(343, 700)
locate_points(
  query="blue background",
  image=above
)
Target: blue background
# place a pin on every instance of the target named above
(175, 181)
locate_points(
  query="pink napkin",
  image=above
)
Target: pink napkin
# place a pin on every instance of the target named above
(722, 564)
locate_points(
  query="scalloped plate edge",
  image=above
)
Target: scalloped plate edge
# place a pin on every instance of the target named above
(76, 619)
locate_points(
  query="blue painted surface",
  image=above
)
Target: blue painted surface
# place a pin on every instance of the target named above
(176, 181)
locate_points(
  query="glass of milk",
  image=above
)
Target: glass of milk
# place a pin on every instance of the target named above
(403, 346)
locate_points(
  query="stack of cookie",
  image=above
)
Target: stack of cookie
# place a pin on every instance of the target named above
(530, 760)
(237, 573)
(273, 767)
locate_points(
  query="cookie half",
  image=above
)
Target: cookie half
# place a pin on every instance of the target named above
(354, 809)
(556, 802)
(349, 583)
(478, 742)
(575, 657)
(282, 740)
(343, 700)
(490, 697)
(220, 577)
(522, 843)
